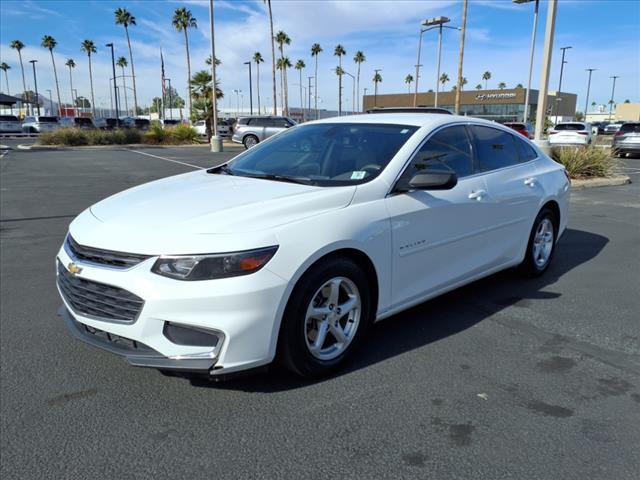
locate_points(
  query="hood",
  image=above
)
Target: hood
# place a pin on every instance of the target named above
(199, 202)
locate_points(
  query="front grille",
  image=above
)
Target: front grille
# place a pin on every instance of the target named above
(102, 257)
(95, 299)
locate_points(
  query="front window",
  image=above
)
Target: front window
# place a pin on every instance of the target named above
(48, 119)
(327, 154)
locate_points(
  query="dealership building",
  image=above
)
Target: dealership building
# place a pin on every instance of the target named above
(499, 105)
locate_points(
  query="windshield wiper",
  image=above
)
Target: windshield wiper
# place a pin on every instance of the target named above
(282, 178)
(221, 169)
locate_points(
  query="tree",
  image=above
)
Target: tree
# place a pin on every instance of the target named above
(208, 61)
(486, 76)
(359, 58)
(81, 102)
(377, 78)
(502, 85)
(18, 46)
(124, 18)
(519, 85)
(5, 67)
(155, 105)
(122, 63)
(182, 21)
(172, 98)
(463, 82)
(444, 78)
(315, 51)
(626, 101)
(479, 86)
(50, 43)
(579, 116)
(201, 93)
(299, 66)
(283, 39)
(408, 79)
(593, 104)
(339, 51)
(257, 57)
(89, 47)
(71, 64)
(273, 58)
(454, 88)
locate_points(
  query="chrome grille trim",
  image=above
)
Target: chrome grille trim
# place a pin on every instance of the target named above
(99, 256)
(98, 300)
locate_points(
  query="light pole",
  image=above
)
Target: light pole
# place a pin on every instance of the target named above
(309, 98)
(532, 49)
(216, 141)
(440, 23)
(115, 87)
(237, 92)
(170, 99)
(250, 89)
(613, 91)
(375, 87)
(544, 72)
(74, 100)
(415, 93)
(353, 95)
(564, 49)
(35, 83)
(50, 102)
(586, 103)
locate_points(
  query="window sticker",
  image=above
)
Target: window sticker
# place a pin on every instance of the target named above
(358, 175)
(404, 130)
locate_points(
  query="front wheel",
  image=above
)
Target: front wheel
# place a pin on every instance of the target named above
(250, 141)
(542, 243)
(327, 316)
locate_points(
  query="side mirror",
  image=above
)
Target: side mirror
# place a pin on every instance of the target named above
(431, 180)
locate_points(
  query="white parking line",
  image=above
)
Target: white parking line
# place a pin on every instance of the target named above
(164, 158)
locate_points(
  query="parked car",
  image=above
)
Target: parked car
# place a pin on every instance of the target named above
(251, 130)
(410, 110)
(106, 123)
(84, 123)
(10, 124)
(598, 127)
(291, 250)
(167, 122)
(612, 128)
(225, 128)
(522, 128)
(39, 124)
(139, 123)
(626, 139)
(570, 133)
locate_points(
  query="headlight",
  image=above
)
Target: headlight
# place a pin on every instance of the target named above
(209, 267)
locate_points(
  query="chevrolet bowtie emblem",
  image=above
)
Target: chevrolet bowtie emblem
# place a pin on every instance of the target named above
(73, 268)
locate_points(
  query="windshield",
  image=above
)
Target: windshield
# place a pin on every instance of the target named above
(326, 154)
(8, 118)
(48, 119)
(570, 126)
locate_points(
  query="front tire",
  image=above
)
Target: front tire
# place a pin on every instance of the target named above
(250, 141)
(542, 244)
(327, 316)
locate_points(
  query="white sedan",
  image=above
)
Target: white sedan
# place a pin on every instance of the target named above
(292, 250)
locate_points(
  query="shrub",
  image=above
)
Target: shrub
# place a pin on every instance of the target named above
(584, 162)
(132, 135)
(98, 137)
(156, 134)
(182, 133)
(64, 136)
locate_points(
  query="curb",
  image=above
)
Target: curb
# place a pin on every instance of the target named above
(614, 181)
(124, 146)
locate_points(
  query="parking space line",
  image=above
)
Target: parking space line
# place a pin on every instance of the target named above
(164, 158)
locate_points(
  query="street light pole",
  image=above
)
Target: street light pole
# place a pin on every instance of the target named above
(532, 49)
(545, 70)
(586, 103)
(564, 49)
(250, 89)
(170, 99)
(309, 98)
(613, 90)
(115, 87)
(461, 57)
(415, 93)
(35, 83)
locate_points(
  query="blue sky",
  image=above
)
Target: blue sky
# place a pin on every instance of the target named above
(603, 33)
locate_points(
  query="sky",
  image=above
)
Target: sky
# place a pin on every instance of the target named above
(603, 34)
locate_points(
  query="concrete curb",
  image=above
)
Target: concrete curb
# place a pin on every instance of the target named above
(600, 182)
(231, 146)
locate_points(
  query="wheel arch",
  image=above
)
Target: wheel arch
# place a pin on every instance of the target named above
(555, 208)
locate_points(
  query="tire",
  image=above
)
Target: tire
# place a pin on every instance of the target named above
(540, 248)
(299, 331)
(250, 141)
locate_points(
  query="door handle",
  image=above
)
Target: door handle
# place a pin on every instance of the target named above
(478, 195)
(531, 181)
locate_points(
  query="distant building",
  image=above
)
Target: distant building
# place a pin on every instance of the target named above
(499, 105)
(628, 111)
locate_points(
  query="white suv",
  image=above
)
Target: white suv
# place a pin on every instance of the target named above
(571, 133)
(295, 247)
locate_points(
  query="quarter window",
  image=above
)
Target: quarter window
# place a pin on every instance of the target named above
(494, 148)
(447, 149)
(525, 151)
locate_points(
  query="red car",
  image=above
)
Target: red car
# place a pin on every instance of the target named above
(523, 128)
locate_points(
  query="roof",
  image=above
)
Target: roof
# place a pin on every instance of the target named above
(9, 100)
(431, 120)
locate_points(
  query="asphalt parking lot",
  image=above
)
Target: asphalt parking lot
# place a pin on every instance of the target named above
(505, 378)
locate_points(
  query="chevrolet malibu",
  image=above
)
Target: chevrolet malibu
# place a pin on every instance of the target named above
(290, 251)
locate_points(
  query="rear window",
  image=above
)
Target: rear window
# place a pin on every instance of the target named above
(8, 118)
(570, 126)
(630, 128)
(48, 119)
(525, 151)
(518, 126)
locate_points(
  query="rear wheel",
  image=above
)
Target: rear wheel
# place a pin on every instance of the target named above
(250, 141)
(542, 243)
(327, 316)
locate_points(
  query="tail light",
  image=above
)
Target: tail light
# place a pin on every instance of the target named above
(619, 134)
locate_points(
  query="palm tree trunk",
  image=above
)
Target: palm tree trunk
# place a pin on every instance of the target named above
(186, 42)
(282, 80)
(133, 76)
(6, 79)
(340, 87)
(286, 91)
(71, 84)
(258, 84)
(273, 61)
(485, 84)
(124, 84)
(93, 102)
(24, 84)
(315, 93)
(301, 98)
(358, 83)
(55, 75)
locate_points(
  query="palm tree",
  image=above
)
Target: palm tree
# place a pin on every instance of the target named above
(454, 88)
(89, 47)
(5, 67)
(182, 21)
(463, 82)
(18, 45)
(377, 78)
(122, 63)
(283, 39)
(273, 58)
(519, 85)
(479, 86)
(124, 18)
(50, 43)
(408, 79)
(486, 76)
(502, 85)
(444, 78)
(257, 57)
(593, 104)
(339, 51)
(315, 51)
(359, 58)
(71, 64)
(201, 91)
(299, 66)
